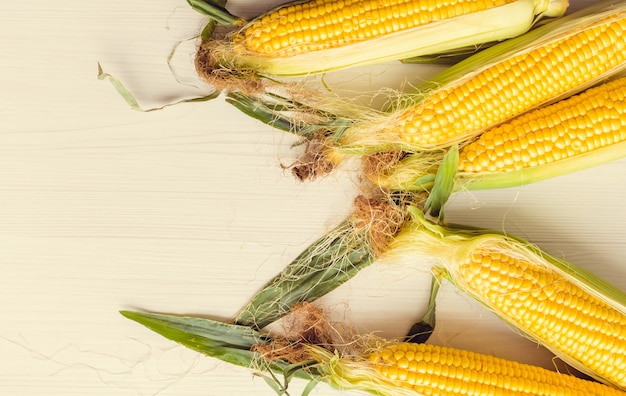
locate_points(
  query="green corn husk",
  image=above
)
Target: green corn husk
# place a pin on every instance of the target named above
(439, 171)
(229, 343)
(327, 263)
(216, 11)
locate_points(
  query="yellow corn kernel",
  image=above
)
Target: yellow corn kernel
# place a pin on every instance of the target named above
(580, 124)
(349, 21)
(515, 85)
(435, 370)
(552, 309)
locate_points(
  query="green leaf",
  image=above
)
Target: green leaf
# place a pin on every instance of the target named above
(229, 343)
(310, 386)
(119, 87)
(322, 267)
(444, 183)
(215, 9)
(421, 331)
(287, 115)
(208, 30)
(273, 383)
(132, 102)
(423, 183)
(267, 113)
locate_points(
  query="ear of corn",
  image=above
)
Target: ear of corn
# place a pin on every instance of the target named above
(305, 37)
(578, 316)
(379, 367)
(424, 368)
(548, 63)
(582, 131)
(576, 133)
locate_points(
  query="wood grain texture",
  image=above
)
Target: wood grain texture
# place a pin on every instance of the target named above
(186, 210)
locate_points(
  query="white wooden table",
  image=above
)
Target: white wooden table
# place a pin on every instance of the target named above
(186, 210)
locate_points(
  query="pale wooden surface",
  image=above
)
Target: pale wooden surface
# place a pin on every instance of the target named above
(186, 210)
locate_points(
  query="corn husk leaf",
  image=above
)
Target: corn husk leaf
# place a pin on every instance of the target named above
(421, 331)
(134, 104)
(226, 342)
(326, 264)
(331, 260)
(288, 115)
(232, 344)
(216, 10)
(229, 343)
(443, 184)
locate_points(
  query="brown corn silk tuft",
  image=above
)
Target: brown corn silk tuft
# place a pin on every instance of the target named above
(304, 325)
(315, 162)
(382, 220)
(380, 163)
